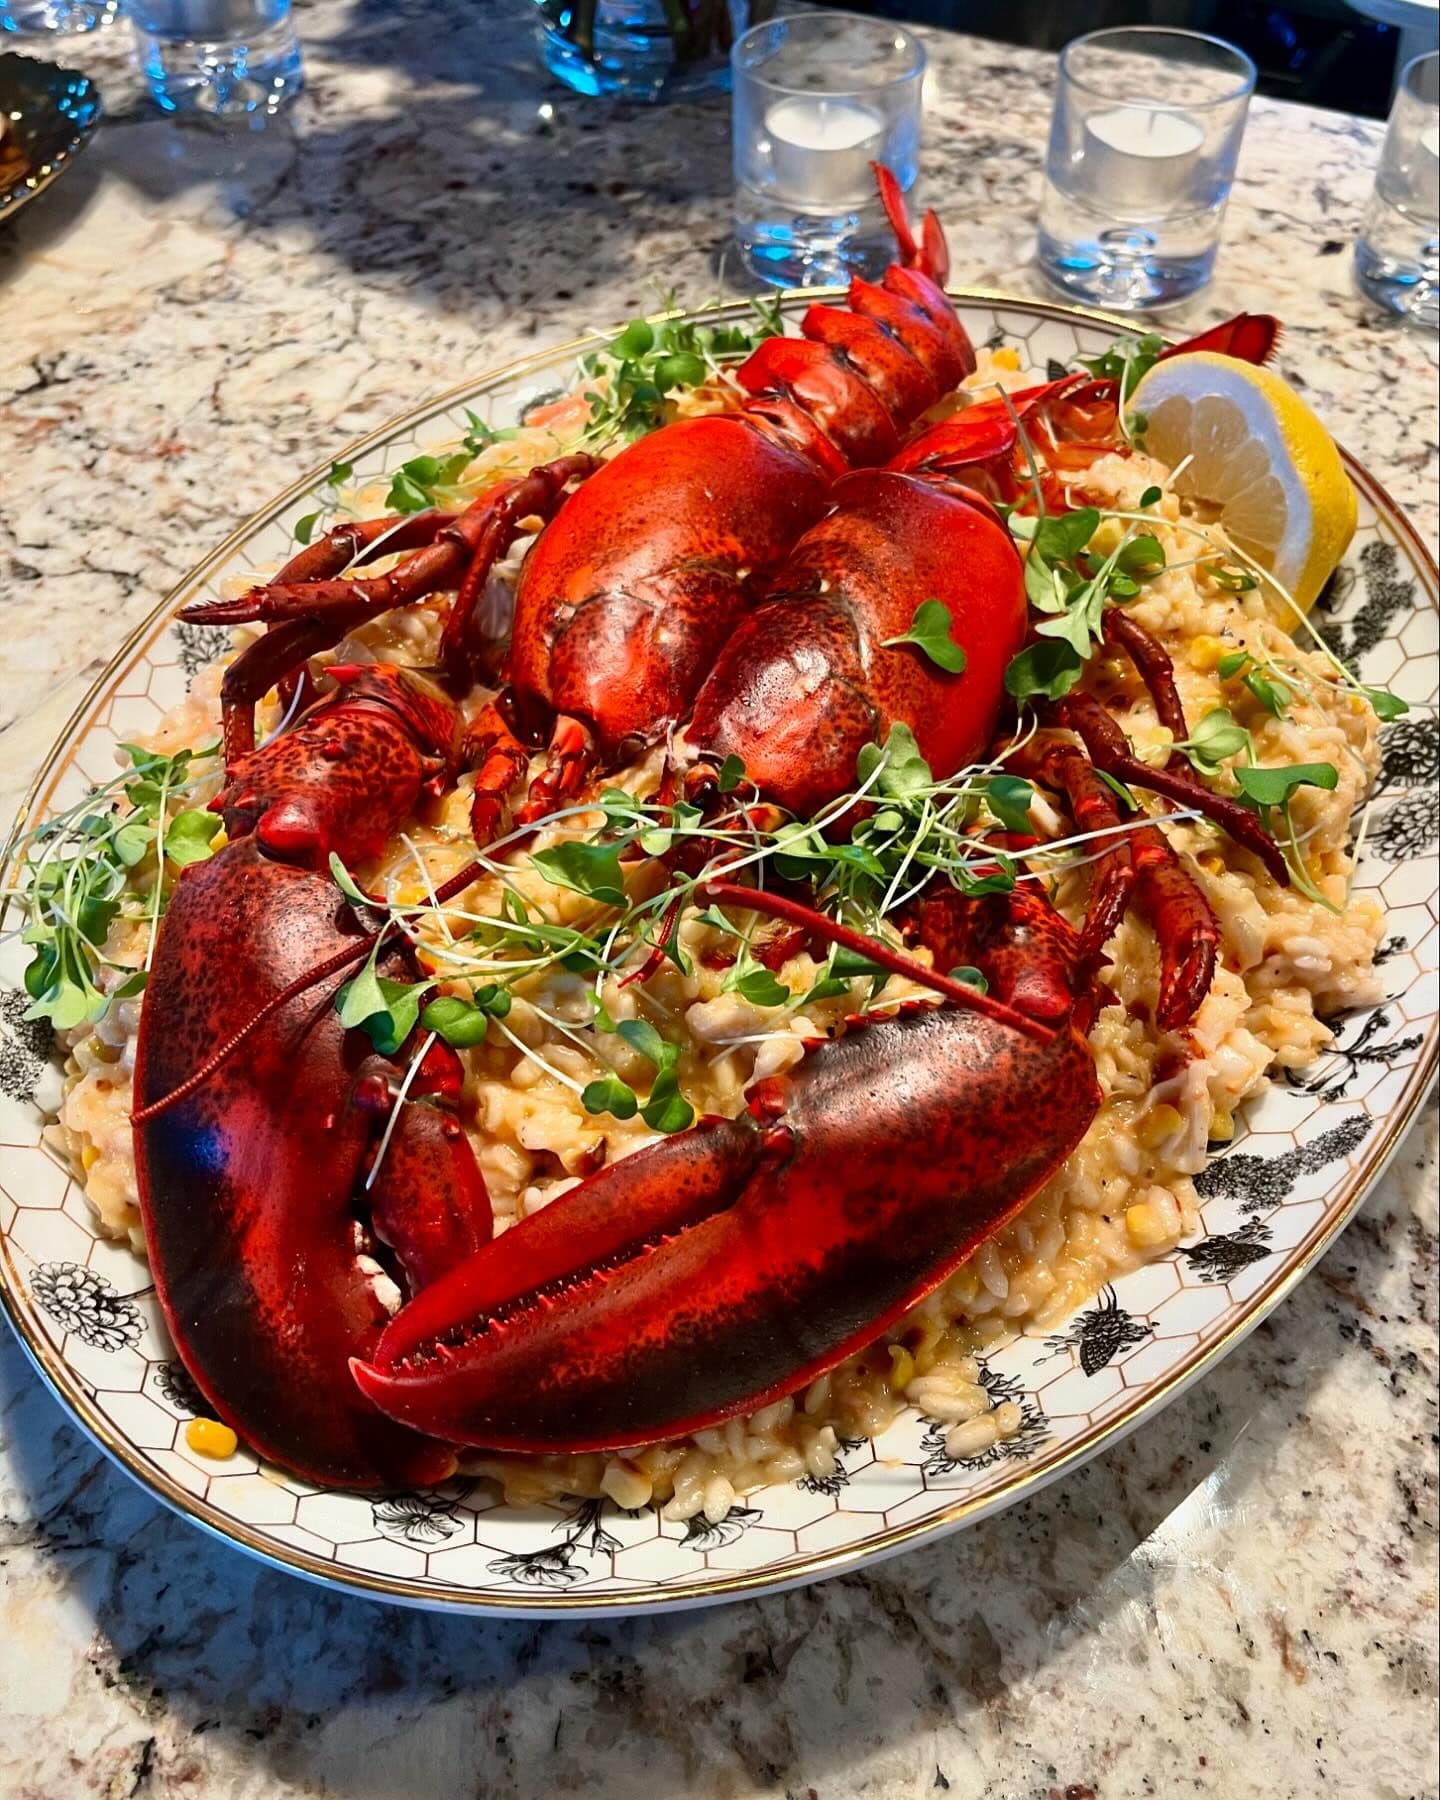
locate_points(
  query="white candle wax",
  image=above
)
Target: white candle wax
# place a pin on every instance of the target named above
(821, 150)
(1141, 157)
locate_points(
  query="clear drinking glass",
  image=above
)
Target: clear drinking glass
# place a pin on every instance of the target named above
(818, 98)
(1143, 144)
(56, 15)
(217, 56)
(1397, 254)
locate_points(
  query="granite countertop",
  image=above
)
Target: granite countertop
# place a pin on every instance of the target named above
(1240, 1599)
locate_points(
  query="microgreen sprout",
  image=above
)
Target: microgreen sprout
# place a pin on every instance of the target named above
(79, 874)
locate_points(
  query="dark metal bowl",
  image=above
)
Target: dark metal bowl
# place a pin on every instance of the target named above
(49, 113)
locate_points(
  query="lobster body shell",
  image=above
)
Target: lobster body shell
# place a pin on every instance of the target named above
(807, 680)
(627, 596)
(717, 1272)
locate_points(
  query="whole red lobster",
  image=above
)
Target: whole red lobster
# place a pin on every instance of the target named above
(744, 575)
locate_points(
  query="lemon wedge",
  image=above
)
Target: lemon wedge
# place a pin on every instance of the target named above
(1259, 460)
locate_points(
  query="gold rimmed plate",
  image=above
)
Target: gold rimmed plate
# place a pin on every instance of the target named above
(48, 113)
(1305, 1157)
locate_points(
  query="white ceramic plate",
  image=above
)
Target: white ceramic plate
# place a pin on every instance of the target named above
(1273, 1200)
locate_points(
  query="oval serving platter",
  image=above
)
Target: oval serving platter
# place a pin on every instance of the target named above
(1306, 1156)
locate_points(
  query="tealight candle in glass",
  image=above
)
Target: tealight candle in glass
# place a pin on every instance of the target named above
(1397, 254)
(818, 98)
(1143, 144)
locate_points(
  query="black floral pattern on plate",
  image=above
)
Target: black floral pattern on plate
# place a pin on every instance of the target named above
(26, 1046)
(415, 1518)
(839, 1477)
(1388, 593)
(1337, 1069)
(82, 1302)
(706, 1534)
(199, 646)
(1034, 1430)
(1262, 1182)
(1410, 828)
(560, 1565)
(1223, 1256)
(1100, 1333)
(1410, 751)
(173, 1384)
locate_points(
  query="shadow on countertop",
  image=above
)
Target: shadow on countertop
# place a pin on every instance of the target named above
(930, 1666)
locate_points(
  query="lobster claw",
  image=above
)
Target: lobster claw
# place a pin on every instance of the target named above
(720, 1270)
(254, 1167)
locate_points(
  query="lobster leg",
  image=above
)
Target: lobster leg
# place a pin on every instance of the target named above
(1110, 750)
(499, 760)
(1184, 926)
(1156, 670)
(1093, 808)
(458, 550)
(569, 760)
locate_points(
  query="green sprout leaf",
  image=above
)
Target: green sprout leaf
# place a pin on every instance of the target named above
(971, 976)
(1141, 557)
(761, 988)
(339, 472)
(930, 632)
(642, 1037)
(345, 881)
(386, 1011)
(1273, 787)
(1387, 706)
(589, 869)
(1045, 670)
(732, 773)
(1060, 537)
(1274, 696)
(1215, 738)
(1149, 497)
(464, 1023)
(1231, 664)
(189, 836)
(1010, 799)
(609, 1094)
(304, 529)
(905, 773)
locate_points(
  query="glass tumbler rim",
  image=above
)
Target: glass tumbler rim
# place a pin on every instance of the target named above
(754, 72)
(1406, 83)
(1246, 71)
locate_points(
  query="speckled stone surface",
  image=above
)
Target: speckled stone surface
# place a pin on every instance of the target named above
(1238, 1601)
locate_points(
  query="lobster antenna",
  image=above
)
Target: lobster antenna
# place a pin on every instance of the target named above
(733, 893)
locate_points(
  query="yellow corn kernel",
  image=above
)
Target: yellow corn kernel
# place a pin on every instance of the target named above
(1205, 652)
(924, 1355)
(902, 1368)
(1212, 862)
(1144, 1226)
(208, 1437)
(1160, 1123)
(89, 1156)
(220, 839)
(1222, 1128)
(1005, 358)
(409, 893)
